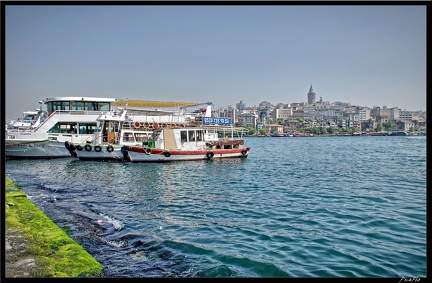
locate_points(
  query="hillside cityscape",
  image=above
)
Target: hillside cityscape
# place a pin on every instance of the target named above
(316, 117)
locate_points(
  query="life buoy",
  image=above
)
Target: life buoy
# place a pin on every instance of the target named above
(98, 148)
(172, 125)
(136, 124)
(88, 147)
(110, 148)
(146, 125)
(210, 155)
(78, 147)
(244, 152)
(155, 125)
(167, 154)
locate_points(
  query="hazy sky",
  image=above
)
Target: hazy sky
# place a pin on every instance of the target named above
(363, 55)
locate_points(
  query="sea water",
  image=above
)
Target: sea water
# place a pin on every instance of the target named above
(295, 207)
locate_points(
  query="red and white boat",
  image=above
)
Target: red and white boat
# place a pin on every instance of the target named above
(189, 143)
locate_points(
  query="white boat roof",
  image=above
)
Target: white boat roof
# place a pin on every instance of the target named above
(79, 98)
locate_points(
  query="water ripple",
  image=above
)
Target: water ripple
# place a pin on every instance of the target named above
(296, 207)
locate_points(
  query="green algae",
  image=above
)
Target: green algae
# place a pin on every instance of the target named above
(56, 254)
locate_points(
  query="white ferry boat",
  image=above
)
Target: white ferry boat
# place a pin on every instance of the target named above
(71, 119)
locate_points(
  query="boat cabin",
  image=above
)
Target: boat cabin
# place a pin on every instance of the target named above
(181, 138)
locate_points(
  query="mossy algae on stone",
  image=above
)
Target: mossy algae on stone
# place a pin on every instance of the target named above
(40, 241)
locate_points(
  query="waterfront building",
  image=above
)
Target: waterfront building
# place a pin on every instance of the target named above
(394, 113)
(250, 120)
(363, 113)
(282, 113)
(405, 125)
(274, 128)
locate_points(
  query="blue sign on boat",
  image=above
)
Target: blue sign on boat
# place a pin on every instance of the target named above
(214, 120)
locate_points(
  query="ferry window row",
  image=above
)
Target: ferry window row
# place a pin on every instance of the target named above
(78, 105)
(70, 128)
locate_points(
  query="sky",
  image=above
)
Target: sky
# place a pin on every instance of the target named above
(366, 55)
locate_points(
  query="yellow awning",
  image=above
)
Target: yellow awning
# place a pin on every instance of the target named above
(154, 104)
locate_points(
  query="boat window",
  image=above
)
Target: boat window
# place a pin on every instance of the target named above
(103, 106)
(127, 137)
(57, 105)
(191, 135)
(90, 106)
(77, 105)
(116, 126)
(55, 129)
(64, 128)
(111, 125)
(29, 117)
(139, 137)
(199, 135)
(89, 128)
(183, 136)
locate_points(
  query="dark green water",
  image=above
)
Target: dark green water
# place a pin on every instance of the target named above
(296, 207)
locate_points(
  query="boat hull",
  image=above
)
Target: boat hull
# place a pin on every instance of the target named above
(37, 150)
(99, 152)
(142, 154)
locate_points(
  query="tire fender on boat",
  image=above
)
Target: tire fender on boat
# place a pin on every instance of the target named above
(97, 148)
(88, 147)
(110, 148)
(136, 124)
(167, 154)
(78, 147)
(244, 152)
(69, 146)
(210, 155)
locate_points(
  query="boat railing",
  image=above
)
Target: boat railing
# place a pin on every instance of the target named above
(234, 132)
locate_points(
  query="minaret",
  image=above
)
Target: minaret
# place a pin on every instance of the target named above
(311, 95)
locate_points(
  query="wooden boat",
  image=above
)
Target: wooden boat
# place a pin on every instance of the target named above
(188, 143)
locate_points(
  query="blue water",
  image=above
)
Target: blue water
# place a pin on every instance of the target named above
(296, 207)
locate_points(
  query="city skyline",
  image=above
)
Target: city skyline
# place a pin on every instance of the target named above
(324, 101)
(364, 55)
